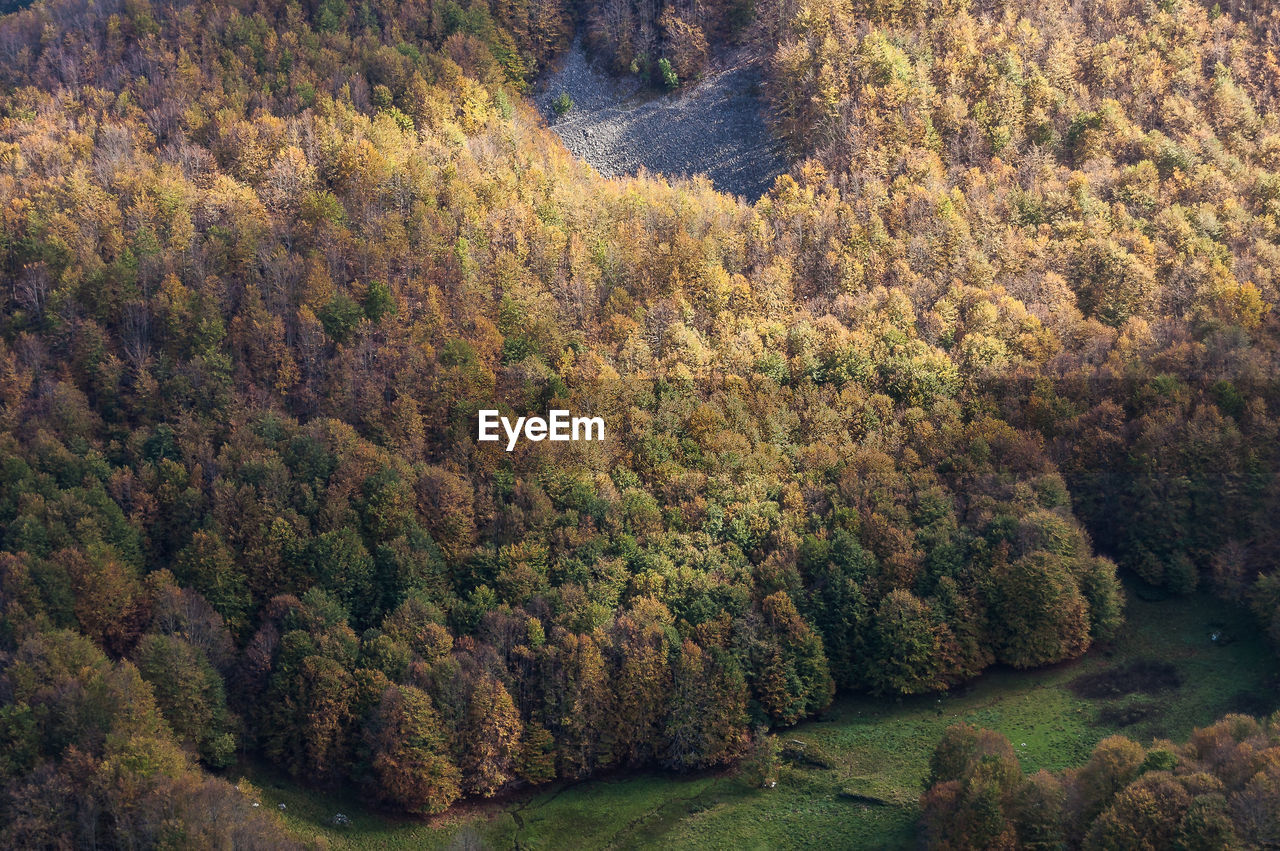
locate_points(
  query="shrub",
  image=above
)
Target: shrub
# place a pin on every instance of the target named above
(760, 764)
(669, 78)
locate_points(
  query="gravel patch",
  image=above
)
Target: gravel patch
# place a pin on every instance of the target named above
(714, 127)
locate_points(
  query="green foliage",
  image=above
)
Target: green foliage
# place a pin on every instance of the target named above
(97, 761)
(378, 302)
(904, 654)
(668, 75)
(760, 764)
(1105, 597)
(562, 104)
(340, 317)
(537, 762)
(190, 694)
(331, 15)
(872, 748)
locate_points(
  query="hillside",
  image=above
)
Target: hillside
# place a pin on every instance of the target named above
(1003, 327)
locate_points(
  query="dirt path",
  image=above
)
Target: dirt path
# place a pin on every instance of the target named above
(714, 127)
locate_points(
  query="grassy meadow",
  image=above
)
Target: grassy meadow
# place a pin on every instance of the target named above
(853, 777)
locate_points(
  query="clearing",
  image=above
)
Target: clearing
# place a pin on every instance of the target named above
(855, 775)
(714, 126)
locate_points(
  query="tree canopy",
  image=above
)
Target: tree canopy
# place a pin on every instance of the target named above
(1005, 324)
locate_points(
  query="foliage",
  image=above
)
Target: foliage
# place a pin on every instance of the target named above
(90, 760)
(668, 74)
(853, 778)
(760, 765)
(1215, 791)
(1008, 317)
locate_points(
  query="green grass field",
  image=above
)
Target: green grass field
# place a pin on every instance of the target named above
(871, 748)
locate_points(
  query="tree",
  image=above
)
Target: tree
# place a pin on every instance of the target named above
(109, 602)
(1038, 810)
(408, 753)
(837, 605)
(795, 680)
(1113, 763)
(686, 45)
(976, 785)
(1145, 813)
(668, 74)
(101, 765)
(581, 703)
(190, 694)
(378, 302)
(953, 753)
(706, 724)
(1110, 282)
(340, 317)
(1038, 614)
(642, 685)
(490, 736)
(904, 653)
(344, 567)
(760, 764)
(311, 716)
(207, 564)
(537, 762)
(1105, 596)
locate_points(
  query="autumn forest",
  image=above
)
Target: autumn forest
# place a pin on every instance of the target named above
(1000, 341)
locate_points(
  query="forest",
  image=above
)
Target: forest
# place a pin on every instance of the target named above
(1004, 329)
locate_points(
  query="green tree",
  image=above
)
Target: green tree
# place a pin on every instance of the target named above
(904, 651)
(1037, 612)
(537, 761)
(190, 694)
(340, 316)
(378, 302)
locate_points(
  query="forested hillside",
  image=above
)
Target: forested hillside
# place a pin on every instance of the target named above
(1007, 319)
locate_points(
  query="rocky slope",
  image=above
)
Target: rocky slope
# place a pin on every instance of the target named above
(714, 127)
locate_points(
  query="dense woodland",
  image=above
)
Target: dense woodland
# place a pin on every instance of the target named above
(1006, 324)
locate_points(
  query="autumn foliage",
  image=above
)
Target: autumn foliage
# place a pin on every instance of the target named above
(1007, 319)
(1217, 790)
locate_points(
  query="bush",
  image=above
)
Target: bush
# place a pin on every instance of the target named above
(760, 764)
(669, 78)
(562, 104)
